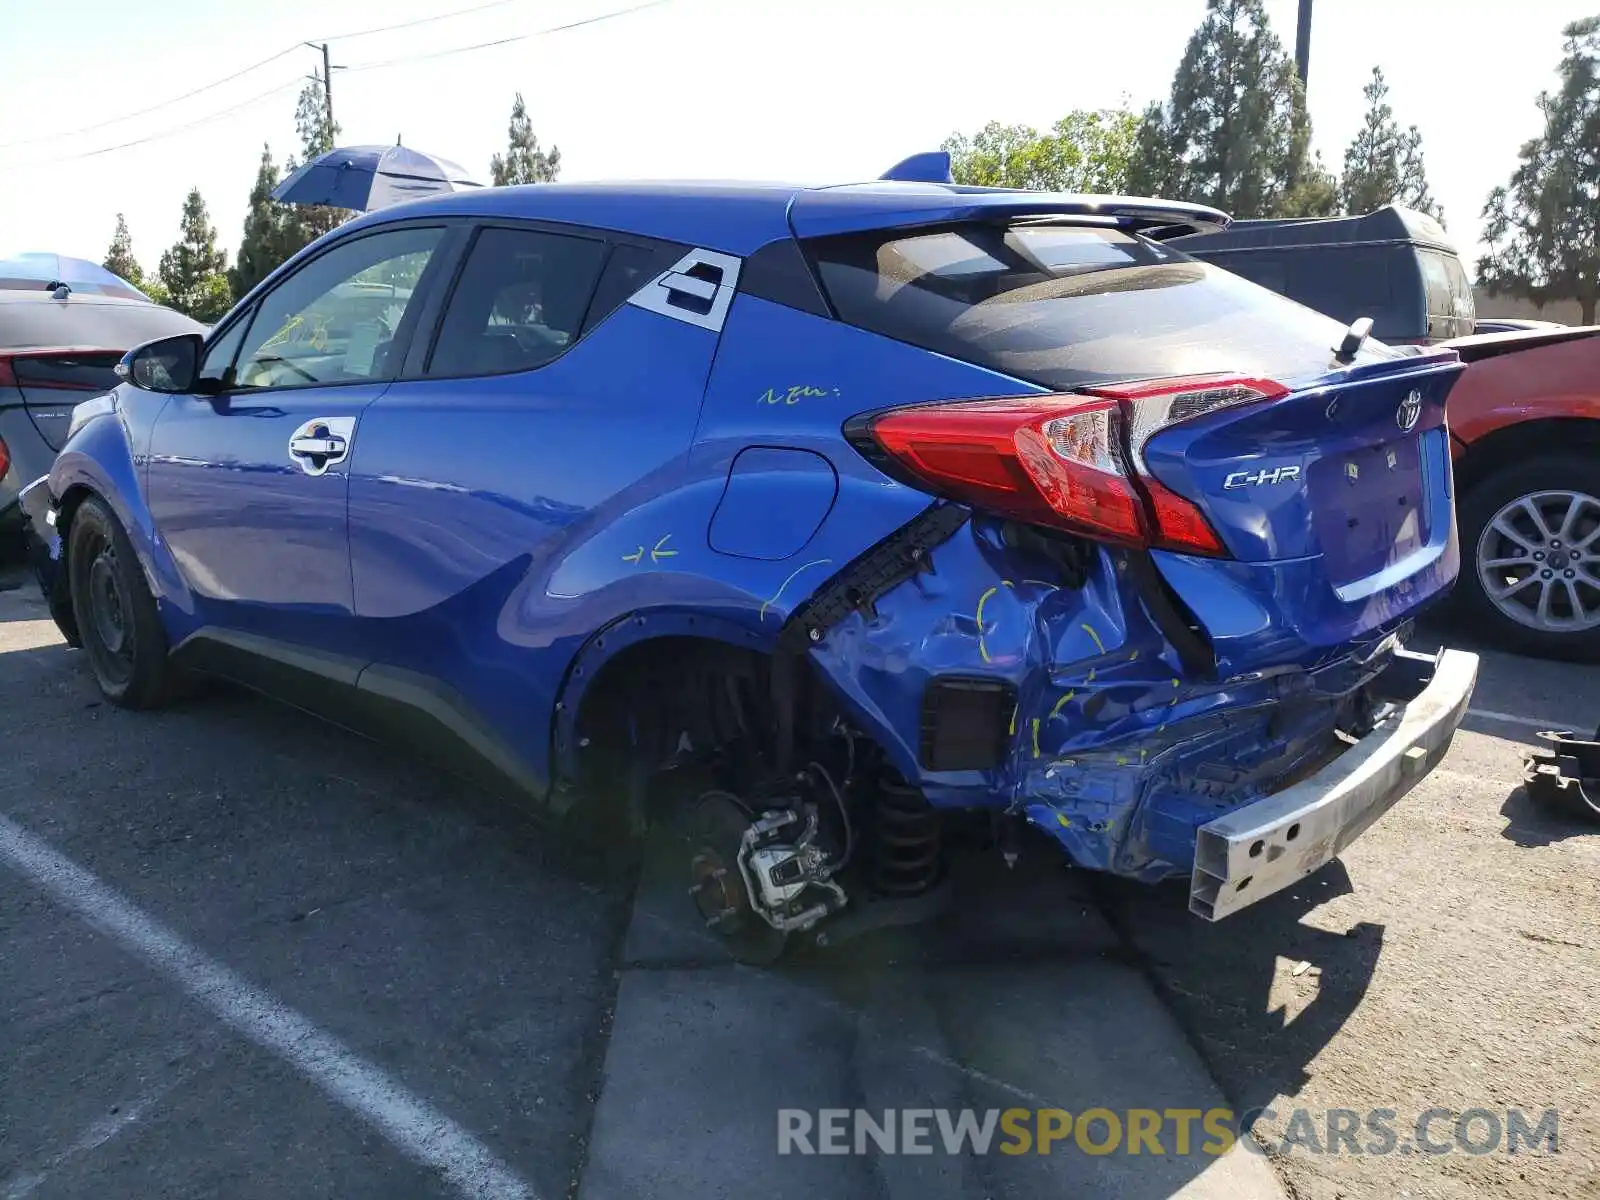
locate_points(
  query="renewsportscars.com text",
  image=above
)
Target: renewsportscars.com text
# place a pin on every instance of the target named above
(1181, 1131)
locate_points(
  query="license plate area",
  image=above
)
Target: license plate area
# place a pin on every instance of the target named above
(1369, 507)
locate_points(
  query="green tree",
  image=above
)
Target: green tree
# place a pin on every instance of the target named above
(1085, 151)
(267, 239)
(524, 162)
(1234, 133)
(318, 132)
(1383, 165)
(193, 270)
(120, 259)
(1543, 227)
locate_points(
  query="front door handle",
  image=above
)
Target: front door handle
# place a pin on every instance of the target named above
(327, 447)
(320, 443)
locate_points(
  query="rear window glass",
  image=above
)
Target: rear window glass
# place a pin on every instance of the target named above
(69, 372)
(32, 320)
(1449, 290)
(1069, 306)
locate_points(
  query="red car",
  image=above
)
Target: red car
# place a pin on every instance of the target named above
(1525, 429)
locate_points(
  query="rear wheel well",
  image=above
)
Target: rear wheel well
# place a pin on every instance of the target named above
(1525, 440)
(701, 711)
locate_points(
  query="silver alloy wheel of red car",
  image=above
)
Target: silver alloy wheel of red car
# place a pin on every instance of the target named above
(1538, 561)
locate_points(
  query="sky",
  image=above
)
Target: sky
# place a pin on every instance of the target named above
(809, 91)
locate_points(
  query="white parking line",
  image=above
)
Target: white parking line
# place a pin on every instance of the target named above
(1539, 723)
(410, 1124)
(96, 1135)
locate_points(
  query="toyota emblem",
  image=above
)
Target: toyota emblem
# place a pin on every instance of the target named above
(1409, 412)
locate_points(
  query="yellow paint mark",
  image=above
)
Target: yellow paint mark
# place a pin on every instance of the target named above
(1013, 721)
(1122, 760)
(1041, 583)
(778, 595)
(1134, 657)
(1036, 737)
(983, 650)
(793, 395)
(1143, 754)
(656, 551)
(1060, 704)
(1095, 637)
(1061, 819)
(635, 556)
(1090, 678)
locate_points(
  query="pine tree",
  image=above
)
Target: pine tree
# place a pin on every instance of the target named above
(318, 132)
(266, 239)
(1234, 132)
(193, 269)
(119, 258)
(1543, 228)
(1382, 165)
(524, 162)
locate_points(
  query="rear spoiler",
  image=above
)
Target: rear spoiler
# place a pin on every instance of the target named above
(1478, 346)
(902, 203)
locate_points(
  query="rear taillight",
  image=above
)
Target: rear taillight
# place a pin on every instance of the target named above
(5, 458)
(8, 377)
(1073, 461)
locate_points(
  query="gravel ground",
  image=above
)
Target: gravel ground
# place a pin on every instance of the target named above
(552, 1015)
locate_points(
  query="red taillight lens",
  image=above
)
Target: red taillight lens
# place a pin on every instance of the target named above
(1072, 461)
(5, 458)
(8, 377)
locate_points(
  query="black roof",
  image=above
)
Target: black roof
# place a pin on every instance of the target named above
(1388, 224)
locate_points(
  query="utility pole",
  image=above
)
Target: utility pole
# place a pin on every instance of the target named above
(1302, 42)
(326, 80)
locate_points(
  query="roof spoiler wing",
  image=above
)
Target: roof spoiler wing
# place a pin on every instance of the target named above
(903, 203)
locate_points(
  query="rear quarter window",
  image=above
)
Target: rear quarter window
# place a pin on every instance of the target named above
(1069, 306)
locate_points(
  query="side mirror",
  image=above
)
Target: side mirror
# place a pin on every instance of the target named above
(170, 364)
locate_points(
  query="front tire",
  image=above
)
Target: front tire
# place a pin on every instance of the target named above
(114, 610)
(1530, 550)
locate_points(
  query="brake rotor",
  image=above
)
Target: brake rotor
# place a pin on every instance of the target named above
(712, 830)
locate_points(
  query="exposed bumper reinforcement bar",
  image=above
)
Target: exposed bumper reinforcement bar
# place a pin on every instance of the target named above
(1268, 845)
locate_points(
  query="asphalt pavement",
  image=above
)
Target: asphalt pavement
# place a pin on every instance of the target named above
(245, 953)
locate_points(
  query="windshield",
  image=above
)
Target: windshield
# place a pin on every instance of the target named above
(1068, 306)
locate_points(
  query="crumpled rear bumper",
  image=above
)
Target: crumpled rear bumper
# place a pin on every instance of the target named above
(1272, 843)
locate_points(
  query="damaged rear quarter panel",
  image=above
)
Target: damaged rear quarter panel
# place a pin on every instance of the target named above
(1112, 748)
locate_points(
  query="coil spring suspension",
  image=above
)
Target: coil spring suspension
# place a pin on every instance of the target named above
(905, 840)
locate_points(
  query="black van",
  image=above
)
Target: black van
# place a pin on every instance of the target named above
(1395, 265)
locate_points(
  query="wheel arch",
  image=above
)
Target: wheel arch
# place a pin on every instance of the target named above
(1545, 436)
(637, 640)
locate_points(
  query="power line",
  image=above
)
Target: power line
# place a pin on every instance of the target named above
(506, 41)
(165, 133)
(460, 12)
(239, 74)
(64, 133)
(283, 87)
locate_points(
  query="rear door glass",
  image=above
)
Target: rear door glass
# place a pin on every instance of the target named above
(519, 303)
(1068, 306)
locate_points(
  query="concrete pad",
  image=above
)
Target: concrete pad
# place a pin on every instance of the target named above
(701, 1061)
(1039, 908)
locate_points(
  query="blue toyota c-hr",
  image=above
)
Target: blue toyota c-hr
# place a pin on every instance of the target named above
(803, 518)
